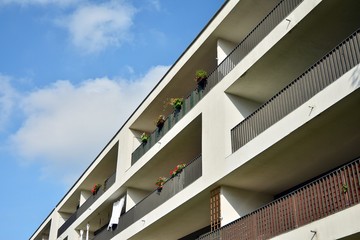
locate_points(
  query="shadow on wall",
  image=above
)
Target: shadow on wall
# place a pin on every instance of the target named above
(243, 105)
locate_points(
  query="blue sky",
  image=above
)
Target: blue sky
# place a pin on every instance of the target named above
(71, 72)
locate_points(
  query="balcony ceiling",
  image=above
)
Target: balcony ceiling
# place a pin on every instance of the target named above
(185, 147)
(308, 42)
(328, 141)
(44, 232)
(243, 18)
(101, 172)
(181, 221)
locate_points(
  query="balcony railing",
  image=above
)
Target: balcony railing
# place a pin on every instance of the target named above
(331, 193)
(331, 67)
(172, 119)
(108, 183)
(174, 185)
(265, 26)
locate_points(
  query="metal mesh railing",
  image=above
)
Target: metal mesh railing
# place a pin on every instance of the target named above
(331, 193)
(173, 186)
(172, 119)
(332, 66)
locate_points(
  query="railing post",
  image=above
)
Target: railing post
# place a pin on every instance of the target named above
(295, 210)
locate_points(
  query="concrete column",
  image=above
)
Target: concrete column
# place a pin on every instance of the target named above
(134, 196)
(235, 203)
(224, 48)
(84, 195)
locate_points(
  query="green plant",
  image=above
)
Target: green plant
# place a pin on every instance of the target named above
(144, 138)
(200, 75)
(161, 181)
(345, 187)
(177, 169)
(176, 102)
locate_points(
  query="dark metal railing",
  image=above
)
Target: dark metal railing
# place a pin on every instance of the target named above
(327, 195)
(332, 66)
(265, 26)
(174, 185)
(172, 119)
(107, 184)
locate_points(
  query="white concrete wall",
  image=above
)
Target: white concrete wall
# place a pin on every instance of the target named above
(236, 110)
(58, 220)
(84, 195)
(134, 196)
(220, 112)
(235, 203)
(219, 115)
(54, 225)
(224, 48)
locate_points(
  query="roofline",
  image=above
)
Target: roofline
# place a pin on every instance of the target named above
(152, 90)
(43, 222)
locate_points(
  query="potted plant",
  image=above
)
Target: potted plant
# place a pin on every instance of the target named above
(95, 188)
(201, 79)
(176, 103)
(160, 121)
(160, 183)
(177, 169)
(144, 138)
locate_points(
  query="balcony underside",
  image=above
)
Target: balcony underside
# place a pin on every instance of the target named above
(184, 147)
(322, 204)
(325, 27)
(189, 217)
(170, 190)
(237, 25)
(329, 140)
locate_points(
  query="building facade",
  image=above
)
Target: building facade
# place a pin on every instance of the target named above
(262, 145)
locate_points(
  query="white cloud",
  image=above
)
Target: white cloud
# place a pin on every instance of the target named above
(40, 2)
(156, 4)
(66, 125)
(93, 28)
(8, 97)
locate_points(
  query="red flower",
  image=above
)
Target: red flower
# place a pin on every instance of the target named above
(177, 169)
(95, 189)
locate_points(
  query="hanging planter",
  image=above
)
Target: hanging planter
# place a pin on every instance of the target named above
(178, 169)
(176, 103)
(95, 189)
(158, 190)
(160, 183)
(201, 79)
(144, 138)
(160, 122)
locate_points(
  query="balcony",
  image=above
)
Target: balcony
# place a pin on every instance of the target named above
(172, 119)
(324, 72)
(263, 28)
(173, 186)
(108, 183)
(327, 195)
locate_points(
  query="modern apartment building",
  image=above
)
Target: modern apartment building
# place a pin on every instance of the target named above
(270, 139)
